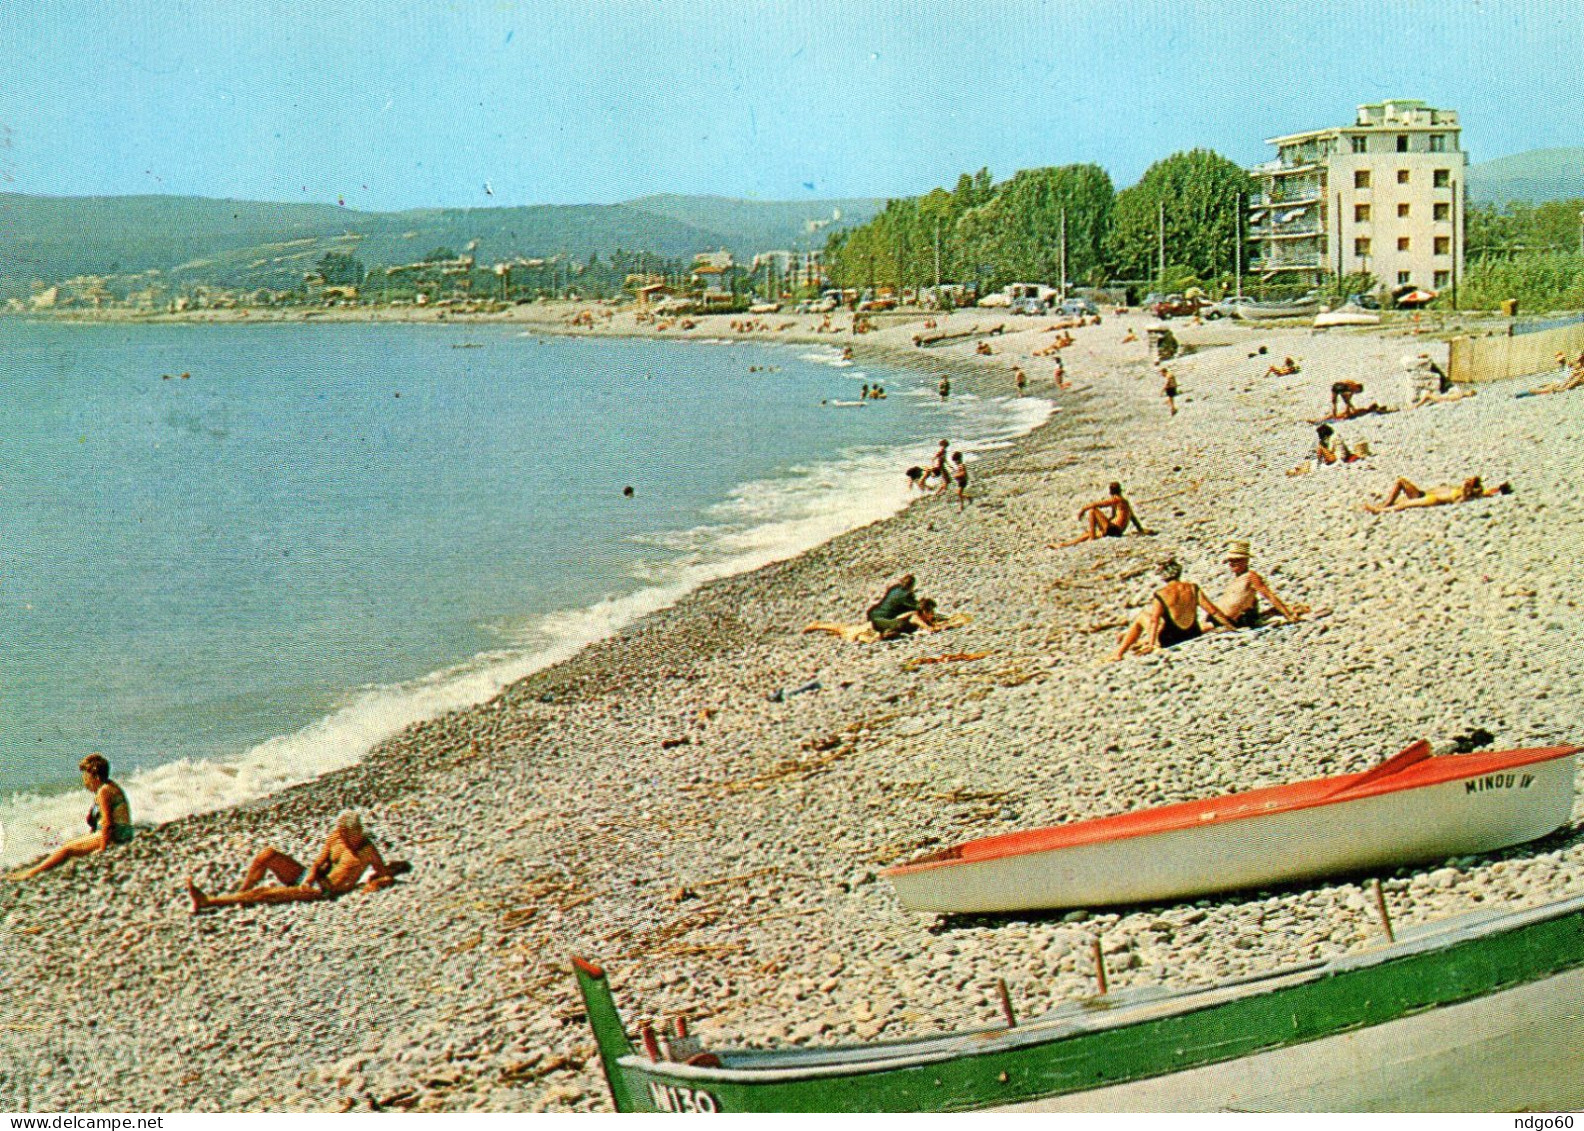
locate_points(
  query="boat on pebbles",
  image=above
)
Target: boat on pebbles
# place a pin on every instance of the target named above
(1413, 808)
(1482, 1012)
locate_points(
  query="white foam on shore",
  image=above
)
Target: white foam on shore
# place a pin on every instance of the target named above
(760, 522)
(827, 355)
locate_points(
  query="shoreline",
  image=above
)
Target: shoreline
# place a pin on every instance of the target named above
(644, 803)
(56, 804)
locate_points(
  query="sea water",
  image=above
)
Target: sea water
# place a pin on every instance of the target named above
(235, 557)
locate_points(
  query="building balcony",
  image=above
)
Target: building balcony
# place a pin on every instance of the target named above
(1286, 263)
(1287, 232)
(1283, 169)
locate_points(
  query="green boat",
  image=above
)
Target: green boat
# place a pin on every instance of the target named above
(1482, 1012)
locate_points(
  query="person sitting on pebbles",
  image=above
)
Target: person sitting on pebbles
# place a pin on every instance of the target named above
(109, 819)
(1287, 368)
(1404, 495)
(1171, 617)
(1240, 600)
(901, 612)
(1108, 518)
(346, 855)
(1329, 449)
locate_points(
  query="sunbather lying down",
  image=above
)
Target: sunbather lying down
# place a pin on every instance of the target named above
(346, 856)
(1404, 495)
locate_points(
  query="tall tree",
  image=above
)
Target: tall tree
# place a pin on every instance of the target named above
(1195, 196)
(1018, 233)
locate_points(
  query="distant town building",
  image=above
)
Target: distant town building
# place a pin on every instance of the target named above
(1383, 196)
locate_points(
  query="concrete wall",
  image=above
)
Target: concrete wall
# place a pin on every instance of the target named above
(1496, 359)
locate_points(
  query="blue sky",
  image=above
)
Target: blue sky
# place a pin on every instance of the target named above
(397, 105)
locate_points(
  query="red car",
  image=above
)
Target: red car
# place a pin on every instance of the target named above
(1174, 306)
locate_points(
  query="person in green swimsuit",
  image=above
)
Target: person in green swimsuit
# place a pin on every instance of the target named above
(110, 819)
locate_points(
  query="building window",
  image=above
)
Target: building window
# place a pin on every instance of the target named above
(1360, 144)
(1443, 212)
(1443, 279)
(1361, 213)
(1402, 211)
(1402, 143)
(1361, 246)
(1402, 176)
(1402, 243)
(1443, 245)
(1443, 178)
(1404, 278)
(1438, 143)
(1361, 178)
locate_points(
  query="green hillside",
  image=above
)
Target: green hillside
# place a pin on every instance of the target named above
(252, 244)
(1534, 176)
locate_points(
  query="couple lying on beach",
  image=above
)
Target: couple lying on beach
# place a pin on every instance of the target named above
(1172, 615)
(901, 612)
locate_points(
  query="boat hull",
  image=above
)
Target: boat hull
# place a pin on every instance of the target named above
(1349, 835)
(1486, 1013)
(1508, 1051)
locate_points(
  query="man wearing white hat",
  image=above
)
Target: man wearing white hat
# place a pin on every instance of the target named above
(1240, 599)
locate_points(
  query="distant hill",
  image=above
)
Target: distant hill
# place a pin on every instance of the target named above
(252, 244)
(1534, 176)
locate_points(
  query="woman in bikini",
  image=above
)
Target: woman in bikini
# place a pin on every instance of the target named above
(1405, 495)
(1172, 616)
(110, 819)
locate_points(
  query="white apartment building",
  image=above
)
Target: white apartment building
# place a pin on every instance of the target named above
(1383, 196)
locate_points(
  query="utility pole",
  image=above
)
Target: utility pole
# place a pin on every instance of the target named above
(1064, 254)
(1161, 229)
(1237, 246)
(937, 247)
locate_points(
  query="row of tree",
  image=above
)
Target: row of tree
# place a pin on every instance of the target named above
(1030, 227)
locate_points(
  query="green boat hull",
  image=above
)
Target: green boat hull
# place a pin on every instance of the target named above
(1099, 1047)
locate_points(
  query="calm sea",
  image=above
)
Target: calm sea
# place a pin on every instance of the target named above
(233, 558)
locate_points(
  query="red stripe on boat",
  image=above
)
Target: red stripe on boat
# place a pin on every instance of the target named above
(1239, 806)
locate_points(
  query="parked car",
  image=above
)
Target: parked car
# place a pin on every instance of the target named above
(1176, 306)
(1078, 308)
(1226, 308)
(1029, 305)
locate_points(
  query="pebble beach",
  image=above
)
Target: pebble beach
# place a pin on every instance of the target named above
(653, 804)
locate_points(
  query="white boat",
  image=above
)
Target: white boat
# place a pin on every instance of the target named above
(1346, 316)
(1251, 310)
(1410, 809)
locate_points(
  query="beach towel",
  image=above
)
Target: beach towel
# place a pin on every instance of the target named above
(865, 633)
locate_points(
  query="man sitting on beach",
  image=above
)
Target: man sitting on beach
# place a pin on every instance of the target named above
(1240, 599)
(1108, 518)
(1286, 369)
(347, 854)
(1405, 495)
